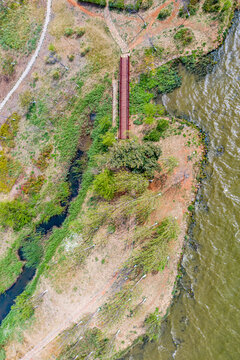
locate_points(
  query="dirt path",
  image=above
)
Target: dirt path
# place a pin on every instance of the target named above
(121, 43)
(34, 57)
(151, 20)
(31, 355)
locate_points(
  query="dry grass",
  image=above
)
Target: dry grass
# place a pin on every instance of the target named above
(63, 19)
(103, 54)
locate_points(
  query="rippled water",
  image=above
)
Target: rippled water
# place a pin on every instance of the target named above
(207, 326)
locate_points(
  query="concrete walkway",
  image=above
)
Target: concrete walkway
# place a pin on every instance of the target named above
(34, 57)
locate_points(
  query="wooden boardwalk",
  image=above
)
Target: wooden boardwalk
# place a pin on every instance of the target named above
(124, 97)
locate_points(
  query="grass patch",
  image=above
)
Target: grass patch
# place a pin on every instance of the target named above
(20, 26)
(9, 172)
(10, 268)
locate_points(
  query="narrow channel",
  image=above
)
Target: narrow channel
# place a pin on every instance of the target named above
(74, 178)
(204, 320)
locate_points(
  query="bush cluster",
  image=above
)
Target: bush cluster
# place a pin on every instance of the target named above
(158, 132)
(133, 5)
(184, 36)
(136, 157)
(96, 2)
(189, 9)
(164, 13)
(162, 80)
(211, 6)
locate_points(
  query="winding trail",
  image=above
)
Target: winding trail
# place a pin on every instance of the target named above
(34, 57)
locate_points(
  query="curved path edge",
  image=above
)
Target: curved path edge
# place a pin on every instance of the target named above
(34, 57)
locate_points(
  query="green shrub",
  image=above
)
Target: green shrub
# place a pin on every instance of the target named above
(131, 183)
(153, 135)
(15, 214)
(104, 185)
(52, 48)
(152, 324)
(146, 4)
(138, 158)
(153, 255)
(79, 32)
(97, 2)
(164, 13)
(9, 172)
(71, 57)
(68, 32)
(33, 185)
(162, 125)
(211, 6)
(108, 139)
(184, 36)
(116, 4)
(26, 99)
(56, 75)
(8, 66)
(189, 9)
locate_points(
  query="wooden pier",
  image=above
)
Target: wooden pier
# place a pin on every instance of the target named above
(124, 97)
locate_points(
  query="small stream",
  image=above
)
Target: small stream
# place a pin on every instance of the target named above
(7, 299)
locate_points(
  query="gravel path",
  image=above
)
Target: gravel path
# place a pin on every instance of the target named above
(34, 57)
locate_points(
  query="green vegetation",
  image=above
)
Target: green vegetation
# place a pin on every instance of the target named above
(104, 185)
(162, 80)
(138, 158)
(10, 268)
(190, 9)
(153, 255)
(97, 2)
(44, 157)
(211, 6)
(32, 250)
(15, 214)
(152, 324)
(78, 32)
(164, 13)
(130, 4)
(20, 26)
(116, 305)
(68, 130)
(9, 172)
(9, 130)
(184, 36)
(198, 64)
(33, 185)
(26, 99)
(170, 163)
(158, 132)
(8, 66)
